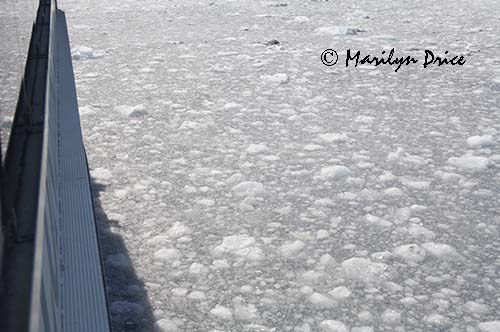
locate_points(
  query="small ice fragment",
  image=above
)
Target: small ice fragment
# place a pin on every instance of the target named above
(476, 308)
(333, 326)
(239, 245)
(365, 270)
(442, 251)
(197, 295)
(222, 312)
(377, 221)
(101, 174)
(491, 326)
(336, 30)
(437, 320)
(257, 148)
(332, 137)
(391, 317)
(248, 188)
(410, 253)
(167, 255)
(481, 141)
(291, 249)
(469, 163)
(276, 78)
(322, 234)
(166, 325)
(335, 172)
(340, 293)
(321, 300)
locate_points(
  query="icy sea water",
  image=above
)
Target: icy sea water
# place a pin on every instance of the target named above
(256, 189)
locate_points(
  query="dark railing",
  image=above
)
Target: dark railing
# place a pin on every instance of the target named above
(21, 182)
(45, 311)
(52, 278)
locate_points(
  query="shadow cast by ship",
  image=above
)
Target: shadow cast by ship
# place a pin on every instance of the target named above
(129, 305)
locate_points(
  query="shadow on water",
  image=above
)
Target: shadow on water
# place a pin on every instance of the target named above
(130, 308)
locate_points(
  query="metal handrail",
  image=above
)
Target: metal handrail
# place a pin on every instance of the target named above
(45, 311)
